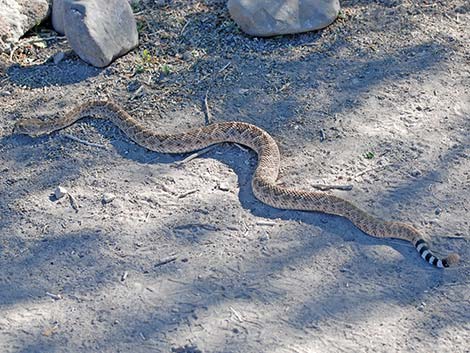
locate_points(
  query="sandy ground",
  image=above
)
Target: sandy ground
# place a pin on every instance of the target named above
(185, 259)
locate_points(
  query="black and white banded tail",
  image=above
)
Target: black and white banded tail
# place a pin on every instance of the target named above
(427, 255)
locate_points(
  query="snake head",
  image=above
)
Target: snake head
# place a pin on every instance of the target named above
(31, 127)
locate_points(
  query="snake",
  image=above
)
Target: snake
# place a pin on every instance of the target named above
(264, 185)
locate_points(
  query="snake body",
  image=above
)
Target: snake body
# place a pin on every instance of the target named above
(264, 180)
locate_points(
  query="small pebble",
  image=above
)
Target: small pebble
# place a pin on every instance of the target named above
(438, 211)
(107, 198)
(416, 173)
(224, 186)
(60, 192)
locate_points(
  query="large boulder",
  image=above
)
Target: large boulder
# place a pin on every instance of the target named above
(274, 17)
(100, 31)
(19, 16)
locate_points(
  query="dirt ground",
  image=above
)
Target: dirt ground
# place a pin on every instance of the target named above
(184, 258)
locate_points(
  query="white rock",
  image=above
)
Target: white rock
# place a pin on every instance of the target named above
(107, 198)
(19, 16)
(99, 31)
(275, 17)
(60, 192)
(224, 186)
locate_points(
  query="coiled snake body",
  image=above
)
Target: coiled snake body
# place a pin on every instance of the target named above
(264, 179)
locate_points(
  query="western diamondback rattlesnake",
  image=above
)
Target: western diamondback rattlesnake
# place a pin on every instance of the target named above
(264, 179)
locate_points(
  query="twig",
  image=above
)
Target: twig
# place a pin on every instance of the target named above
(187, 193)
(207, 110)
(54, 296)
(166, 260)
(223, 69)
(137, 93)
(73, 202)
(241, 147)
(237, 315)
(195, 155)
(184, 27)
(76, 139)
(124, 276)
(325, 187)
(266, 223)
(206, 104)
(455, 237)
(40, 39)
(372, 169)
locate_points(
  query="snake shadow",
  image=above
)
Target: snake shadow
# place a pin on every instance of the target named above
(48, 74)
(231, 156)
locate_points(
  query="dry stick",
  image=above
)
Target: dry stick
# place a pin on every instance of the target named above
(124, 276)
(195, 155)
(137, 93)
(237, 315)
(207, 110)
(325, 187)
(184, 27)
(73, 202)
(83, 141)
(241, 147)
(266, 223)
(166, 260)
(455, 237)
(223, 69)
(187, 193)
(206, 104)
(54, 296)
(372, 169)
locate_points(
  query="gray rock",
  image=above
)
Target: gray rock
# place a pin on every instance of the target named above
(19, 16)
(58, 15)
(274, 17)
(107, 198)
(224, 186)
(100, 31)
(60, 192)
